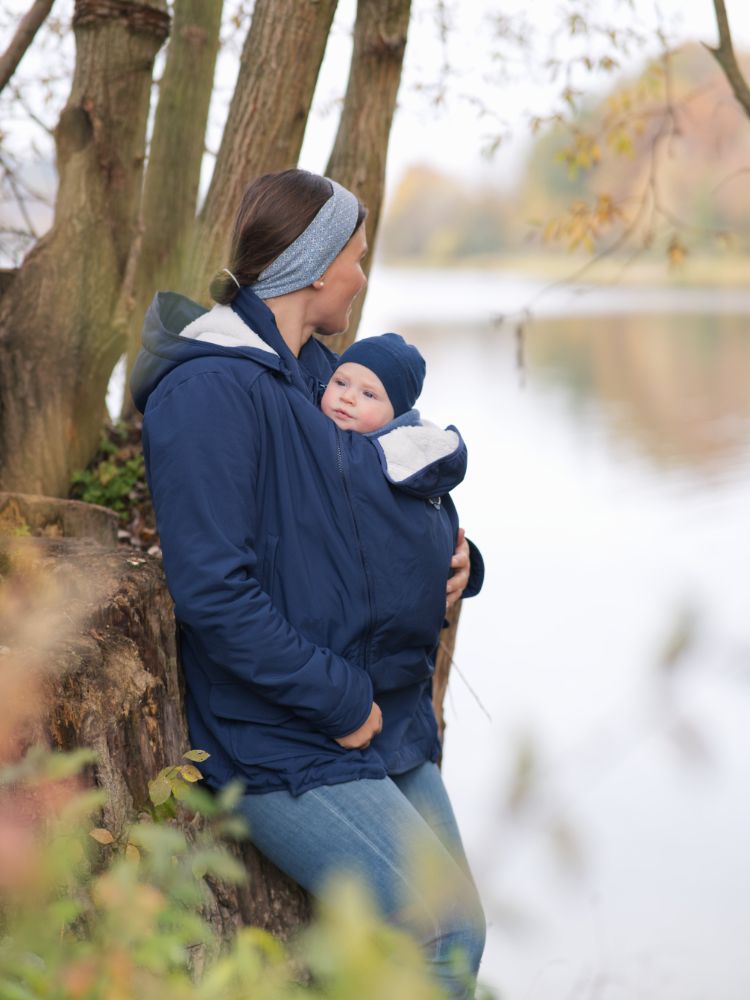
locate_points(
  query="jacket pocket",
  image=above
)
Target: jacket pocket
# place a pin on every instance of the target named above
(240, 703)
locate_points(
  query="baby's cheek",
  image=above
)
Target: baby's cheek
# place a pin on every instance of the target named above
(325, 403)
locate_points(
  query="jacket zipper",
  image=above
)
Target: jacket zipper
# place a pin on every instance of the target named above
(368, 634)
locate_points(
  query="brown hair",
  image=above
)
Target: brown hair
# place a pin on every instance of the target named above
(275, 209)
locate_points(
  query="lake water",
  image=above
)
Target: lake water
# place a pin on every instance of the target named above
(598, 746)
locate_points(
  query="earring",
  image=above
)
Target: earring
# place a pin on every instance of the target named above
(321, 283)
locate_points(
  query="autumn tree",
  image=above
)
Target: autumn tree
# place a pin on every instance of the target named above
(607, 175)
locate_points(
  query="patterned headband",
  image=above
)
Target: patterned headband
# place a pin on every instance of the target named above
(307, 258)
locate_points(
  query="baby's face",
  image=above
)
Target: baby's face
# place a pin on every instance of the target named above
(355, 399)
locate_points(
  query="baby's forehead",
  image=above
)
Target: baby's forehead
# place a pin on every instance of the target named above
(355, 372)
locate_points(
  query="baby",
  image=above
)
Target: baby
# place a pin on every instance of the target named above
(406, 467)
(377, 380)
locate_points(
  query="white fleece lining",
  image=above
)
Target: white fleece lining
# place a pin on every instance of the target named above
(221, 325)
(409, 449)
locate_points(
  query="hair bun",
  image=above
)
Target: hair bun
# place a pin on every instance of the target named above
(223, 288)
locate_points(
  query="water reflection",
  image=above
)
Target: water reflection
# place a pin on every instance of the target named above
(678, 387)
(604, 804)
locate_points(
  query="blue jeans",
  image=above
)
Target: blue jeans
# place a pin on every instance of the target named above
(372, 829)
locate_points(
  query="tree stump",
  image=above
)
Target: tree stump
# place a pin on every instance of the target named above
(116, 685)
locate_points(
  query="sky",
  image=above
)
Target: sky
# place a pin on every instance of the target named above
(451, 137)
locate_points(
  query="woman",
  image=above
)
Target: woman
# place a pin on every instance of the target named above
(275, 530)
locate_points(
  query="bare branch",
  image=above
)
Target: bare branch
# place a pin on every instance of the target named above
(24, 36)
(17, 194)
(730, 177)
(725, 57)
(29, 111)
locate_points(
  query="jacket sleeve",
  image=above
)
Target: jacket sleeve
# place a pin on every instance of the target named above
(476, 563)
(476, 571)
(201, 442)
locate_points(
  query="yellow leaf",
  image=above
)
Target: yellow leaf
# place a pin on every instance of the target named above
(101, 836)
(179, 788)
(196, 755)
(676, 251)
(132, 853)
(190, 773)
(159, 790)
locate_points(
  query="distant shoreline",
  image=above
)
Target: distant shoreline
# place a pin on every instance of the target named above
(706, 271)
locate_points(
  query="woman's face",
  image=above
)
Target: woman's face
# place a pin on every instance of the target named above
(342, 282)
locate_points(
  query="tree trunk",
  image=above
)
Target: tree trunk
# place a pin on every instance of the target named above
(443, 663)
(266, 123)
(57, 340)
(359, 153)
(26, 31)
(170, 193)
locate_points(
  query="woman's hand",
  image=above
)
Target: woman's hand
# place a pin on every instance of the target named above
(461, 565)
(363, 737)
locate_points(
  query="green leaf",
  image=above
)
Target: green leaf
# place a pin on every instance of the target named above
(190, 773)
(159, 790)
(179, 788)
(158, 839)
(196, 755)
(231, 794)
(65, 765)
(235, 827)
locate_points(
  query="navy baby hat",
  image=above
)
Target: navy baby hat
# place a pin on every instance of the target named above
(398, 365)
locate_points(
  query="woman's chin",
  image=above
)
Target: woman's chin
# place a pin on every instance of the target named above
(328, 332)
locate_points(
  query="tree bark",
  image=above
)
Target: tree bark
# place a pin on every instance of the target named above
(122, 695)
(57, 340)
(170, 193)
(443, 663)
(91, 661)
(359, 153)
(727, 60)
(26, 31)
(48, 517)
(266, 122)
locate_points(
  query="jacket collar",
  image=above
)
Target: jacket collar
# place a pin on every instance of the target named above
(222, 326)
(256, 314)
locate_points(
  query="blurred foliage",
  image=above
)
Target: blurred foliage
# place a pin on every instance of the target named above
(659, 164)
(436, 219)
(668, 151)
(86, 916)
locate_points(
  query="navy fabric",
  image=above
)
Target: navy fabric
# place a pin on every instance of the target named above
(305, 584)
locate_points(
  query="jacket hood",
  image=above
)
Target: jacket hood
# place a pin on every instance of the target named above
(419, 457)
(177, 330)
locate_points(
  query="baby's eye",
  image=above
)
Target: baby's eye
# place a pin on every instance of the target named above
(339, 381)
(370, 395)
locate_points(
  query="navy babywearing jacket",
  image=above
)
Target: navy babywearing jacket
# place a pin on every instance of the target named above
(307, 565)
